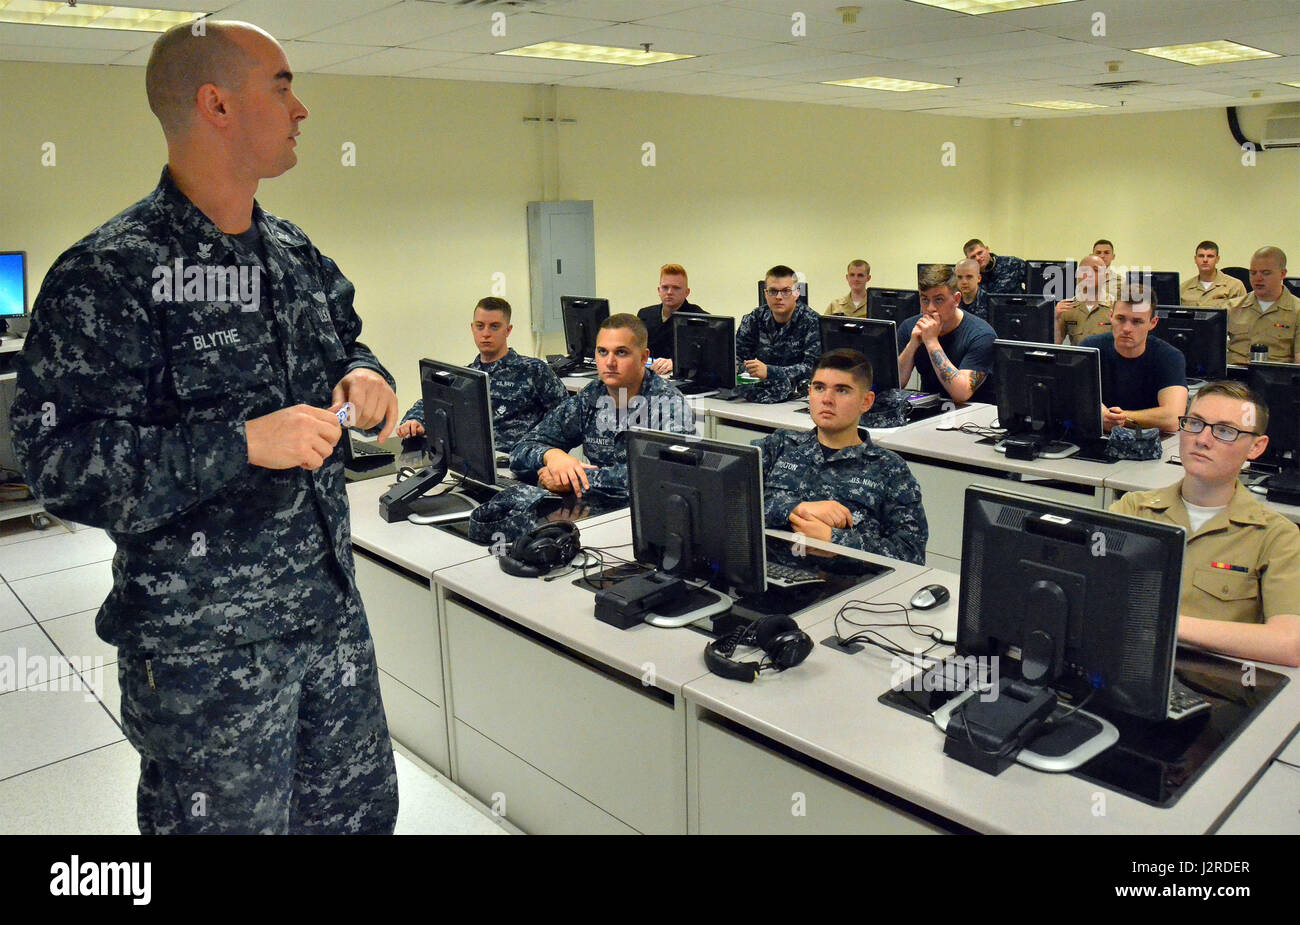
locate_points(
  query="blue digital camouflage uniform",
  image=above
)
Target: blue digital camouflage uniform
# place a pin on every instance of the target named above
(1006, 275)
(248, 676)
(873, 483)
(980, 307)
(790, 351)
(592, 419)
(523, 389)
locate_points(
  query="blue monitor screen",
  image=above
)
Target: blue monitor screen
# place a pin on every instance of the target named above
(13, 285)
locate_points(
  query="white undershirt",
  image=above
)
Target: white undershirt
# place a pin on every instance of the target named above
(1265, 306)
(1200, 516)
(1206, 286)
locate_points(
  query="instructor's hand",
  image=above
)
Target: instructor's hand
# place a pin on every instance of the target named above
(371, 396)
(297, 436)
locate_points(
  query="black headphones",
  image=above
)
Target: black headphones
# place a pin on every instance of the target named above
(780, 638)
(547, 546)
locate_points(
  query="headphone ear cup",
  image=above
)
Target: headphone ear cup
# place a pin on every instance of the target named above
(785, 644)
(768, 628)
(513, 566)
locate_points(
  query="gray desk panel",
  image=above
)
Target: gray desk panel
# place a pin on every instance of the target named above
(1271, 808)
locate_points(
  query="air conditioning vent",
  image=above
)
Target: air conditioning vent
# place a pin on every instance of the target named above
(1282, 129)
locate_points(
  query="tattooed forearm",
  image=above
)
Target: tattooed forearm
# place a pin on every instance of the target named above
(942, 366)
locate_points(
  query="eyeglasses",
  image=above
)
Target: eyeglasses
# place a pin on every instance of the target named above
(779, 293)
(1225, 432)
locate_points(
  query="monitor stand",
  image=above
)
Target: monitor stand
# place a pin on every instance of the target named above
(698, 604)
(1065, 747)
(1049, 449)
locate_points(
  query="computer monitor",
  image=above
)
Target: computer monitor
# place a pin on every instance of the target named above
(1201, 335)
(762, 294)
(874, 338)
(896, 305)
(1278, 384)
(458, 440)
(582, 319)
(1050, 279)
(697, 513)
(1164, 284)
(1292, 283)
(1021, 316)
(1049, 399)
(13, 286)
(704, 352)
(1068, 599)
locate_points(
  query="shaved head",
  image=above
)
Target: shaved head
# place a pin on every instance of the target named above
(183, 61)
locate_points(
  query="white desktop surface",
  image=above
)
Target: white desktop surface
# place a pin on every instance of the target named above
(827, 708)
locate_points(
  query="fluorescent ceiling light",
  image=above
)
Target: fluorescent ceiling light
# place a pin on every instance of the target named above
(893, 84)
(598, 54)
(1198, 53)
(1291, 83)
(92, 15)
(1062, 104)
(976, 7)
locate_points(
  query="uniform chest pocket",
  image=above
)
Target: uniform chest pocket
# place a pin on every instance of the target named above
(233, 371)
(1226, 585)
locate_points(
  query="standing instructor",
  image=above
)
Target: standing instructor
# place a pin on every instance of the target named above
(198, 428)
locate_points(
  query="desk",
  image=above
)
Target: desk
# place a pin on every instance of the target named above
(516, 691)
(9, 350)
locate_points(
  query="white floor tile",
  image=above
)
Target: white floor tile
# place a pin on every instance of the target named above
(429, 804)
(23, 560)
(41, 727)
(12, 611)
(75, 636)
(28, 657)
(90, 794)
(69, 591)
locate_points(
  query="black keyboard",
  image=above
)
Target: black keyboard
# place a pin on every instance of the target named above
(1185, 702)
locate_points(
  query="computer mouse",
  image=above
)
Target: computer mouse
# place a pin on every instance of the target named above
(930, 596)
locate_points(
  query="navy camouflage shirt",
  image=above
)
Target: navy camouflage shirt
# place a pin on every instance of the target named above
(136, 379)
(592, 419)
(873, 483)
(523, 389)
(1007, 274)
(790, 350)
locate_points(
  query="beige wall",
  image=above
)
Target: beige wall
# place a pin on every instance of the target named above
(436, 203)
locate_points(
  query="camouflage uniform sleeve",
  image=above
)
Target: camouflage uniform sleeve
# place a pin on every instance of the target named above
(560, 429)
(778, 501)
(746, 341)
(902, 531)
(339, 293)
(551, 392)
(415, 414)
(93, 441)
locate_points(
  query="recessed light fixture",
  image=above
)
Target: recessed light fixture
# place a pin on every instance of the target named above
(893, 84)
(1062, 104)
(1199, 53)
(1291, 83)
(976, 7)
(596, 54)
(92, 15)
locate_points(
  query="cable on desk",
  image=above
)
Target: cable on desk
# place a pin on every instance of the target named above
(867, 630)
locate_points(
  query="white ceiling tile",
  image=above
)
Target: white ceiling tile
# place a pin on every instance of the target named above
(720, 20)
(391, 62)
(680, 41)
(291, 19)
(626, 10)
(70, 37)
(60, 55)
(520, 29)
(313, 56)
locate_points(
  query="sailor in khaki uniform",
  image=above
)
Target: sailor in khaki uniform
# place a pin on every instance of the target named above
(1088, 313)
(1270, 314)
(855, 303)
(1241, 570)
(1109, 285)
(1210, 287)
